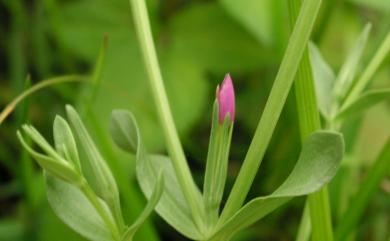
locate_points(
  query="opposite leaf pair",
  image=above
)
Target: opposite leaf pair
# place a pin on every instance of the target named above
(340, 97)
(80, 187)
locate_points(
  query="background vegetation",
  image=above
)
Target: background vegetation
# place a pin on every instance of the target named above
(198, 41)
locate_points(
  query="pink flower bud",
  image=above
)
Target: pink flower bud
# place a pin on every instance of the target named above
(226, 101)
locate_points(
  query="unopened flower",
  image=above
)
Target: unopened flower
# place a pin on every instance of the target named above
(226, 100)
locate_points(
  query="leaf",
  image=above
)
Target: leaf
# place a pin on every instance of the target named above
(348, 71)
(56, 166)
(64, 141)
(365, 101)
(216, 165)
(324, 79)
(100, 177)
(318, 162)
(172, 207)
(153, 200)
(254, 15)
(74, 209)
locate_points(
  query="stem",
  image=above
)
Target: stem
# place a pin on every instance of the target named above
(174, 147)
(305, 225)
(281, 87)
(45, 83)
(86, 189)
(369, 72)
(309, 121)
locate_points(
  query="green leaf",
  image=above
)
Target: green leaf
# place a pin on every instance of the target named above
(216, 165)
(172, 207)
(318, 162)
(56, 166)
(100, 177)
(324, 79)
(64, 141)
(74, 209)
(365, 101)
(348, 71)
(153, 200)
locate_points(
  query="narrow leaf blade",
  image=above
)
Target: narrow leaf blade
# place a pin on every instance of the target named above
(365, 101)
(348, 70)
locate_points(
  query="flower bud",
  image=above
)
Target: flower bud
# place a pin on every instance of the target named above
(226, 100)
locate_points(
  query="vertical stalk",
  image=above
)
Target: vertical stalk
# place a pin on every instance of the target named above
(174, 147)
(273, 108)
(309, 121)
(86, 189)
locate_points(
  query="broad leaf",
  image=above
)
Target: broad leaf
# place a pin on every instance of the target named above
(348, 71)
(74, 209)
(319, 160)
(153, 200)
(324, 79)
(172, 206)
(364, 102)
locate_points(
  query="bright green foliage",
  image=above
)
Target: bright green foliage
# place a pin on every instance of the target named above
(318, 163)
(216, 165)
(324, 78)
(348, 71)
(52, 161)
(95, 213)
(335, 95)
(72, 206)
(153, 200)
(172, 207)
(365, 101)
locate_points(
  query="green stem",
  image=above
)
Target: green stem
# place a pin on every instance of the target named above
(367, 190)
(369, 72)
(43, 84)
(305, 225)
(174, 147)
(309, 121)
(281, 87)
(86, 189)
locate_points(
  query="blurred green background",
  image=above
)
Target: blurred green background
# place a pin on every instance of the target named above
(198, 41)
